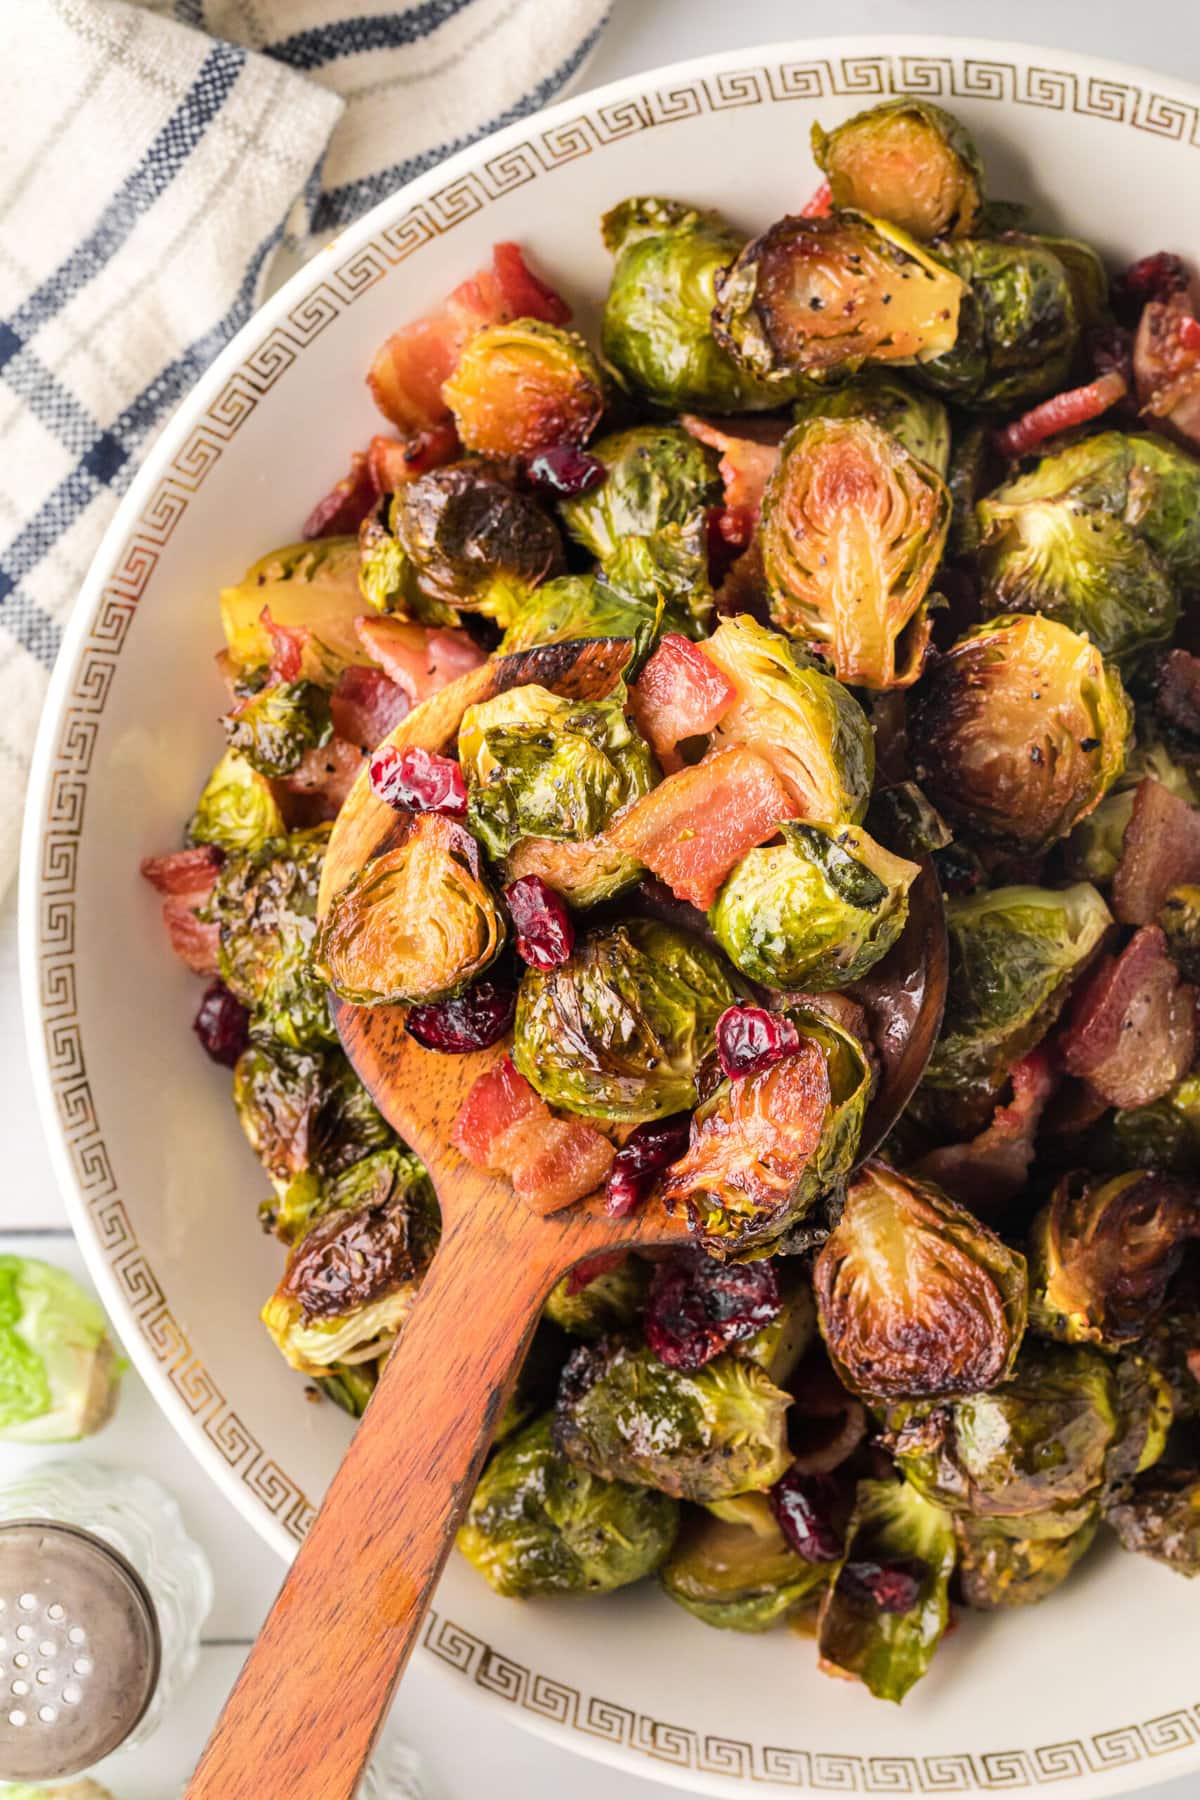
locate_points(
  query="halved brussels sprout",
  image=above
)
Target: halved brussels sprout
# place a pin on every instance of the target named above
(816, 911)
(739, 1576)
(275, 727)
(1161, 1519)
(1019, 731)
(655, 475)
(667, 566)
(700, 1434)
(304, 1110)
(809, 728)
(618, 1030)
(889, 1604)
(524, 386)
(584, 874)
(265, 905)
(905, 160)
(608, 1301)
(1018, 329)
(1145, 1414)
(586, 606)
(538, 765)
(471, 541)
(237, 809)
(999, 1566)
(418, 923)
(915, 1296)
(920, 421)
(311, 586)
(538, 1524)
(814, 296)
(853, 529)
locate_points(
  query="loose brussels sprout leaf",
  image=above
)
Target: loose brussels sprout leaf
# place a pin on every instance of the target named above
(915, 1296)
(1102, 1254)
(265, 905)
(1164, 1135)
(1013, 955)
(524, 386)
(765, 1146)
(908, 161)
(59, 1373)
(655, 475)
(814, 296)
(999, 1566)
(538, 765)
(1017, 330)
(304, 1110)
(584, 874)
(418, 923)
(816, 911)
(538, 1524)
(1019, 731)
(586, 606)
(1161, 1519)
(701, 1434)
(809, 728)
(739, 1577)
(275, 728)
(657, 326)
(618, 1030)
(311, 586)
(852, 531)
(885, 1632)
(237, 809)
(919, 421)
(473, 542)
(609, 1301)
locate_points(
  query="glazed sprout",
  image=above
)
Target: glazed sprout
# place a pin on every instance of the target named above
(1019, 731)
(273, 728)
(311, 587)
(1018, 329)
(915, 1296)
(816, 911)
(825, 296)
(1179, 917)
(416, 924)
(237, 809)
(918, 420)
(1103, 1253)
(852, 532)
(522, 387)
(584, 873)
(304, 1110)
(655, 475)
(264, 904)
(907, 161)
(470, 541)
(668, 567)
(538, 1524)
(618, 1030)
(888, 1605)
(586, 606)
(1161, 1519)
(739, 1575)
(999, 1566)
(588, 1304)
(59, 1373)
(1086, 274)
(699, 1434)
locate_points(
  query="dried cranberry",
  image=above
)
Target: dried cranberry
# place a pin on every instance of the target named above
(959, 870)
(417, 780)
(698, 1307)
(222, 1024)
(750, 1038)
(891, 1587)
(646, 1152)
(728, 530)
(804, 1506)
(1110, 352)
(545, 934)
(565, 470)
(476, 1019)
(1150, 278)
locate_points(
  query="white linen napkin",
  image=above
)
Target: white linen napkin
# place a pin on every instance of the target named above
(162, 165)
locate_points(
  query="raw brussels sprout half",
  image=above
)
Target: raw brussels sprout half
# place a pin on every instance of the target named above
(739, 1576)
(699, 1434)
(609, 1301)
(907, 161)
(469, 542)
(1018, 329)
(918, 420)
(816, 911)
(853, 529)
(310, 586)
(1161, 1519)
(1000, 1567)
(524, 386)
(59, 1372)
(538, 1524)
(618, 1030)
(655, 475)
(265, 906)
(273, 729)
(237, 809)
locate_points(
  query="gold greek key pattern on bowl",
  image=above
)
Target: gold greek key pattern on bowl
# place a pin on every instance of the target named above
(860, 78)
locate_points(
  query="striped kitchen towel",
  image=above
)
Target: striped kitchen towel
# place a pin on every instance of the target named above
(162, 165)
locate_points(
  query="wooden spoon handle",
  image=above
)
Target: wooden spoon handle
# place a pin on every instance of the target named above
(314, 1691)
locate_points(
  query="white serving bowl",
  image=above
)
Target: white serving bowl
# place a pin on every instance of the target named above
(1096, 1691)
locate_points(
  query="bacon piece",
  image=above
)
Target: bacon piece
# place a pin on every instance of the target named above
(1160, 849)
(1131, 1029)
(819, 204)
(317, 787)
(679, 694)
(288, 644)
(346, 504)
(395, 461)
(416, 658)
(1177, 694)
(748, 458)
(992, 1168)
(196, 943)
(366, 704)
(1166, 366)
(504, 1125)
(496, 1102)
(693, 827)
(1061, 413)
(186, 875)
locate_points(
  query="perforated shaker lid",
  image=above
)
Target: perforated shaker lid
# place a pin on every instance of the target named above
(79, 1650)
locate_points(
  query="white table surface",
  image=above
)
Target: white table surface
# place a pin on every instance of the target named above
(469, 1751)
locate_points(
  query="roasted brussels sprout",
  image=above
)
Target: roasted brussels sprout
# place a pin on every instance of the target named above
(1019, 731)
(59, 1373)
(265, 905)
(1093, 850)
(304, 1110)
(584, 874)
(700, 1434)
(1164, 1135)
(588, 1304)
(852, 532)
(816, 911)
(739, 1576)
(470, 541)
(1017, 327)
(349, 1387)
(965, 477)
(905, 160)
(237, 809)
(1145, 1414)
(918, 420)
(618, 1030)
(781, 1346)
(1179, 917)
(915, 1296)
(586, 606)
(655, 475)
(274, 728)
(888, 1605)
(540, 766)
(418, 923)
(1086, 273)
(538, 1524)
(310, 586)
(1161, 1519)
(668, 567)
(1000, 1566)
(825, 296)
(522, 387)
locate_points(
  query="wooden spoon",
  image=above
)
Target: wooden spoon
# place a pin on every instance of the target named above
(307, 1707)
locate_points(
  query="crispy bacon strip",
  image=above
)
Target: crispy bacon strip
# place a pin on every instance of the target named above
(1161, 849)
(749, 454)
(1177, 695)
(185, 879)
(347, 503)
(416, 658)
(819, 204)
(679, 694)
(317, 788)
(992, 1168)
(1061, 413)
(1131, 1029)
(366, 704)
(505, 1126)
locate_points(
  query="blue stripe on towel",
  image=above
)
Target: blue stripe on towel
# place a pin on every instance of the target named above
(322, 44)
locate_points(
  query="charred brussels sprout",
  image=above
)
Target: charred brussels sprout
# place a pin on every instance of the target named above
(418, 923)
(1018, 329)
(274, 728)
(915, 1296)
(471, 541)
(655, 475)
(816, 911)
(237, 809)
(1019, 731)
(541, 1525)
(585, 606)
(739, 1576)
(907, 161)
(888, 1606)
(853, 530)
(304, 1110)
(999, 1566)
(618, 1030)
(265, 905)
(826, 296)
(311, 587)
(522, 387)
(700, 1434)
(1145, 1414)
(918, 420)
(589, 1305)
(1161, 1519)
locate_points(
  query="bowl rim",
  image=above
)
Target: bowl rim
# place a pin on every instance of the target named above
(1089, 1780)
